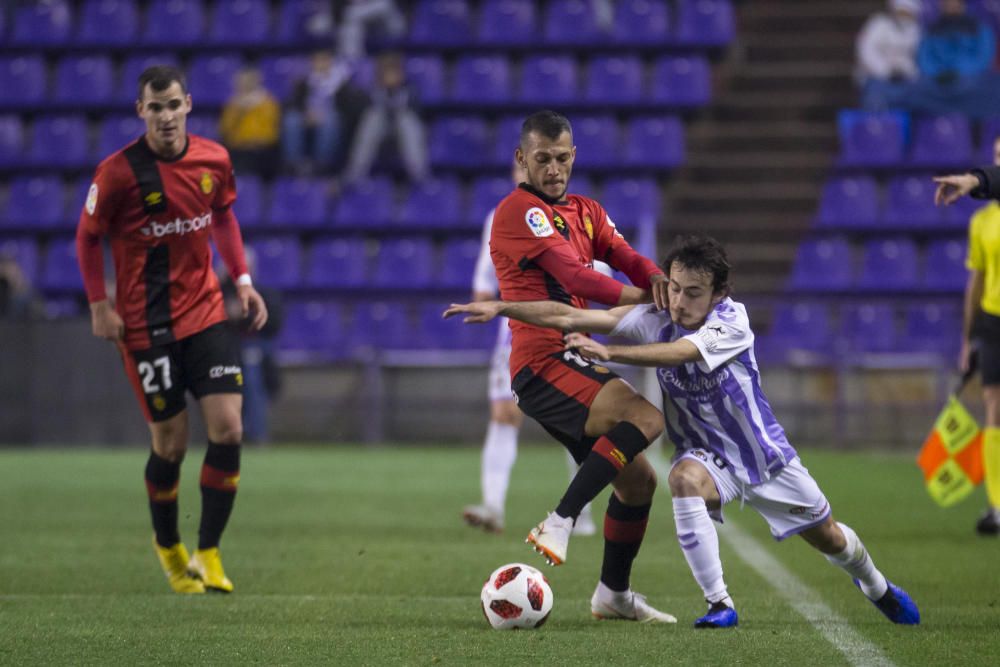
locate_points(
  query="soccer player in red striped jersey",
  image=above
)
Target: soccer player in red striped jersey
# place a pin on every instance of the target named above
(159, 201)
(543, 244)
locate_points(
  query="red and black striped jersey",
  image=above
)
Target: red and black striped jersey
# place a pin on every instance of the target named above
(157, 214)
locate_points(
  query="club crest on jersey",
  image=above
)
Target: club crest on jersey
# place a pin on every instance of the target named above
(560, 223)
(206, 183)
(538, 222)
(92, 199)
(589, 226)
(154, 198)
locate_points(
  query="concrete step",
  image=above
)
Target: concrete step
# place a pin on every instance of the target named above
(740, 226)
(792, 77)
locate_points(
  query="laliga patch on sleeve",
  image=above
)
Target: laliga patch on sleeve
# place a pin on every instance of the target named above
(538, 222)
(91, 199)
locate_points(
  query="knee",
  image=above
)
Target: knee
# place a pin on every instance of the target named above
(640, 484)
(686, 479)
(229, 433)
(170, 446)
(647, 419)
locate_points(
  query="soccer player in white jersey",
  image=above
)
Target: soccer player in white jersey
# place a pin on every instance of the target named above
(729, 444)
(500, 445)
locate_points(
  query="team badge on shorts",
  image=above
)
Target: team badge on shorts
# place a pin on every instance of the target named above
(206, 183)
(159, 403)
(538, 222)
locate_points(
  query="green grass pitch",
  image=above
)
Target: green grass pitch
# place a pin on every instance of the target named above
(346, 555)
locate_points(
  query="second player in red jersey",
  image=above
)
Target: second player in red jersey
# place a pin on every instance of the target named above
(160, 201)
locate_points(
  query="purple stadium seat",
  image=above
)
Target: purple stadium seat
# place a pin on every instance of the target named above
(614, 80)
(426, 74)
(385, 325)
(249, 204)
(944, 265)
(279, 261)
(944, 141)
(681, 81)
(108, 22)
(705, 22)
(889, 264)
(11, 139)
(132, 67)
(458, 141)
(24, 251)
(59, 141)
(598, 141)
(281, 73)
(547, 79)
(115, 132)
(910, 202)
(628, 200)
(930, 327)
(436, 202)
(60, 270)
(823, 265)
(486, 193)
(507, 22)
(22, 80)
(173, 22)
(42, 23)
(452, 334)
(404, 262)
(989, 132)
(654, 141)
(872, 140)
(869, 328)
(314, 326)
(78, 197)
(801, 326)
(210, 77)
(337, 262)
(958, 214)
(506, 135)
(458, 262)
(441, 23)
(82, 80)
(571, 22)
(365, 204)
(294, 17)
(204, 125)
(298, 202)
(850, 201)
(641, 22)
(242, 22)
(481, 79)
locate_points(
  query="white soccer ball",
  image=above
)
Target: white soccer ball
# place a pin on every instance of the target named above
(516, 596)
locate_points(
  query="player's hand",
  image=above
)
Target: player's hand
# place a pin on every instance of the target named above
(658, 285)
(587, 347)
(478, 312)
(252, 302)
(105, 321)
(951, 188)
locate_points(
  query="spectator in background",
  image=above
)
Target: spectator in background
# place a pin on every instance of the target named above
(886, 50)
(250, 125)
(261, 374)
(358, 16)
(312, 118)
(17, 299)
(391, 114)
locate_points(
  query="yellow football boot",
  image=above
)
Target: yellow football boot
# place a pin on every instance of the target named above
(174, 561)
(206, 565)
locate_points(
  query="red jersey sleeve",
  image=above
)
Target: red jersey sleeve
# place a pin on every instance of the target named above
(95, 218)
(226, 192)
(523, 229)
(611, 247)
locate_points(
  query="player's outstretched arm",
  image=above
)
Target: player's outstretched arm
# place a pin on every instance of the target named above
(543, 314)
(953, 187)
(660, 355)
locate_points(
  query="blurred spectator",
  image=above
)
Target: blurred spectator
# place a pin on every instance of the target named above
(359, 15)
(312, 118)
(17, 299)
(886, 50)
(250, 125)
(957, 47)
(261, 373)
(391, 114)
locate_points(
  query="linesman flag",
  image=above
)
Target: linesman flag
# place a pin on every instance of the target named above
(952, 455)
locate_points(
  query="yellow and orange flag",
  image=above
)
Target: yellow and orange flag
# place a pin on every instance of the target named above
(951, 457)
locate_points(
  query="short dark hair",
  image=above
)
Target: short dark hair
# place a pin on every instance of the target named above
(699, 252)
(159, 78)
(547, 123)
